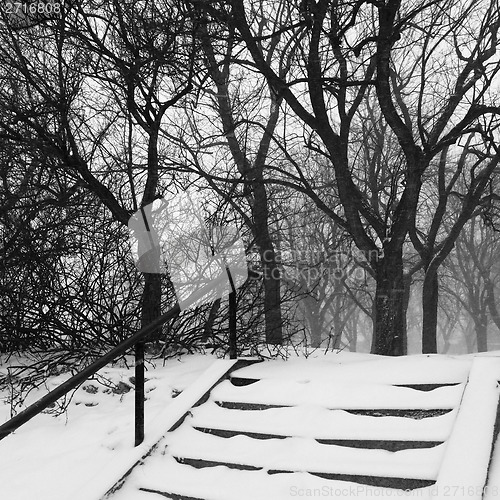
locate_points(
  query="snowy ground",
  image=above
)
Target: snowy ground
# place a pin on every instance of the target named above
(56, 458)
(50, 458)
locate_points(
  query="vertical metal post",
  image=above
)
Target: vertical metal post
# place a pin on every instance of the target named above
(139, 347)
(233, 353)
(139, 393)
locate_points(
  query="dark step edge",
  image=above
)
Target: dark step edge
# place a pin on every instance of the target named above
(399, 483)
(171, 496)
(241, 381)
(226, 433)
(235, 405)
(373, 444)
(382, 481)
(383, 444)
(199, 463)
(415, 413)
(426, 387)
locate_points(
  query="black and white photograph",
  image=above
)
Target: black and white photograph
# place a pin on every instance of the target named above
(249, 249)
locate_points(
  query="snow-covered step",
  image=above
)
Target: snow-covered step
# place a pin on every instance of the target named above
(166, 478)
(303, 455)
(357, 368)
(242, 381)
(347, 431)
(382, 444)
(337, 395)
(320, 423)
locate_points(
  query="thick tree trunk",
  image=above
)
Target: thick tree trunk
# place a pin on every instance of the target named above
(151, 294)
(271, 272)
(311, 317)
(272, 299)
(430, 300)
(151, 303)
(390, 313)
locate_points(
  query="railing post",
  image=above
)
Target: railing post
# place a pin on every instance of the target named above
(233, 353)
(139, 393)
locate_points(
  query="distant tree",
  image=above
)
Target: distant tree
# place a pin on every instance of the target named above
(320, 270)
(472, 277)
(462, 193)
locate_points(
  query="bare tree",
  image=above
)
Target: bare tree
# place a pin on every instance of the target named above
(238, 126)
(341, 55)
(320, 270)
(92, 87)
(472, 271)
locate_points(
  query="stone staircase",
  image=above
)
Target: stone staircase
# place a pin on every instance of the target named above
(337, 432)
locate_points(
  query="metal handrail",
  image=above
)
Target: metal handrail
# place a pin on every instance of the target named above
(136, 339)
(72, 383)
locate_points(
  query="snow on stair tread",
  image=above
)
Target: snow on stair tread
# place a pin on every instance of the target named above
(321, 423)
(338, 395)
(389, 370)
(164, 473)
(303, 454)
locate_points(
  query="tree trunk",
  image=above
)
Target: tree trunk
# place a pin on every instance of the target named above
(209, 324)
(151, 294)
(481, 324)
(353, 339)
(406, 301)
(390, 313)
(271, 272)
(338, 324)
(313, 320)
(430, 300)
(151, 303)
(272, 303)
(253, 173)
